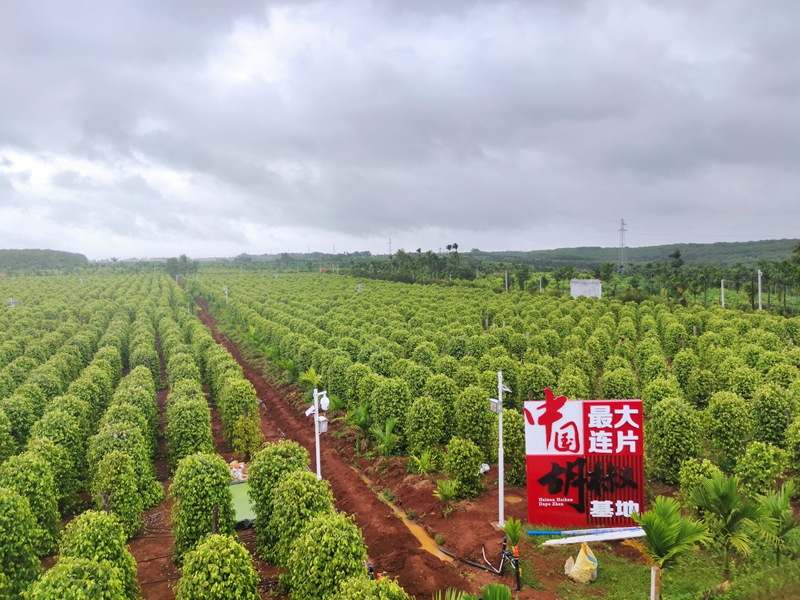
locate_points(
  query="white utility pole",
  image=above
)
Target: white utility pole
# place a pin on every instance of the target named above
(316, 433)
(320, 423)
(497, 406)
(759, 289)
(722, 291)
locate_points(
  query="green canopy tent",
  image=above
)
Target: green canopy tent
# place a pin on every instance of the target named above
(242, 505)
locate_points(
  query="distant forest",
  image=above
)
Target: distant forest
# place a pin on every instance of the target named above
(40, 261)
(720, 254)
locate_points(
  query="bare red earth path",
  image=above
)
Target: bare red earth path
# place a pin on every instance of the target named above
(392, 547)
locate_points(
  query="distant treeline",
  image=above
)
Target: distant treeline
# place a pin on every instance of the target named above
(39, 261)
(720, 254)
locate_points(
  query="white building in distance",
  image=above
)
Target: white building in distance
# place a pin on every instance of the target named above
(592, 288)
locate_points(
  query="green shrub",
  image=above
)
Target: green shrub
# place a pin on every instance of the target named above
(78, 579)
(21, 417)
(728, 424)
(684, 364)
(391, 398)
(425, 354)
(94, 386)
(78, 408)
(474, 419)
(114, 490)
(700, 387)
(129, 415)
(533, 379)
(50, 379)
(514, 447)
(32, 478)
(573, 382)
(246, 438)
(771, 414)
(64, 477)
(658, 389)
(416, 376)
(692, 472)
(146, 356)
(425, 425)
(297, 497)
(760, 466)
(131, 441)
(362, 588)
(99, 536)
(674, 339)
(653, 368)
(65, 431)
(382, 363)
(783, 374)
(353, 377)
(188, 429)
(112, 356)
(8, 445)
(744, 381)
(143, 399)
(182, 366)
(329, 551)
(219, 568)
(201, 489)
(19, 563)
(793, 446)
(672, 435)
(462, 464)
(269, 465)
(619, 383)
(237, 396)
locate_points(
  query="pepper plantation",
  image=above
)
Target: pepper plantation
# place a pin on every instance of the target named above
(118, 404)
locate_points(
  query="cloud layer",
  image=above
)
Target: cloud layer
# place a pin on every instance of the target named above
(149, 128)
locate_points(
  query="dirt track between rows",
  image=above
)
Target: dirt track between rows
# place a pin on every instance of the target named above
(392, 547)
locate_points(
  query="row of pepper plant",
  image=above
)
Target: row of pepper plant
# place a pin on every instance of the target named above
(716, 383)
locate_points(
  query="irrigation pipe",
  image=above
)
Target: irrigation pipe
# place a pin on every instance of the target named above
(469, 562)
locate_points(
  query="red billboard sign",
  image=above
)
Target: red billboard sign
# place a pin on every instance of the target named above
(585, 462)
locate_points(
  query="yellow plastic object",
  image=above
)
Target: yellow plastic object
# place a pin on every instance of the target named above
(585, 568)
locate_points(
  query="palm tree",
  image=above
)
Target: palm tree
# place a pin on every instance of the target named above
(360, 419)
(780, 520)
(730, 517)
(667, 536)
(312, 378)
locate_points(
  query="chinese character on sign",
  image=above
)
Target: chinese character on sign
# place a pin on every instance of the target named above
(601, 480)
(626, 507)
(551, 411)
(600, 441)
(602, 508)
(566, 438)
(628, 439)
(600, 416)
(627, 416)
(560, 480)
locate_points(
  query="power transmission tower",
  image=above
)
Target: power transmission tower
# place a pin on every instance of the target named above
(622, 265)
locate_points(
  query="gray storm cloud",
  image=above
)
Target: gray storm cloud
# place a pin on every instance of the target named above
(216, 128)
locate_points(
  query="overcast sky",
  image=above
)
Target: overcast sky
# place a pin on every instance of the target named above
(143, 128)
